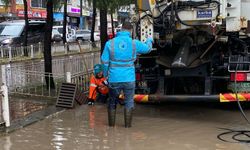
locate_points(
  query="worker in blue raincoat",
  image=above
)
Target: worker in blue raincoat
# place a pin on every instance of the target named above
(118, 57)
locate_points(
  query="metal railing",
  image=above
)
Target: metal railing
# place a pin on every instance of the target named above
(29, 79)
(8, 54)
(33, 83)
(81, 80)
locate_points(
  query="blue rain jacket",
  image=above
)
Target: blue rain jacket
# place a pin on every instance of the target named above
(119, 55)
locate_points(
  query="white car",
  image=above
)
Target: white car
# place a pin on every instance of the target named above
(83, 35)
(56, 36)
(70, 33)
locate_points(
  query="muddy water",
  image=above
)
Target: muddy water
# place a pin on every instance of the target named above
(155, 127)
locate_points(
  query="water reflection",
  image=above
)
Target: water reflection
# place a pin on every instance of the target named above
(92, 117)
(7, 143)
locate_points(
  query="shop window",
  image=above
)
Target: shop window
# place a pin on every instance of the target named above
(38, 3)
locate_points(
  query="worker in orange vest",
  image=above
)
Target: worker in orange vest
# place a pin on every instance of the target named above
(98, 88)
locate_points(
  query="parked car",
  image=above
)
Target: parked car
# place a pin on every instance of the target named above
(12, 32)
(83, 35)
(70, 33)
(56, 36)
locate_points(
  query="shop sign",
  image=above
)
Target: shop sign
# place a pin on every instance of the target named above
(32, 14)
(76, 10)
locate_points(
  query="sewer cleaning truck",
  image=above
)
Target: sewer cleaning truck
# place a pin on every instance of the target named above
(201, 50)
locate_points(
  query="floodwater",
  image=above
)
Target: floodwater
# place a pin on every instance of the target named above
(172, 126)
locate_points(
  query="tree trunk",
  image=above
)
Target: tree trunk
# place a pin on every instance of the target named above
(93, 24)
(81, 18)
(25, 43)
(103, 26)
(47, 46)
(112, 24)
(65, 21)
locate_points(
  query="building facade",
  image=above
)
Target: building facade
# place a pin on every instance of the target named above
(15, 10)
(37, 10)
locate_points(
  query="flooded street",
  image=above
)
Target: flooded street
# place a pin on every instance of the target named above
(173, 126)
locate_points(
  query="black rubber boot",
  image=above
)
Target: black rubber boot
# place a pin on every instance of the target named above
(128, 113)
(111, 117)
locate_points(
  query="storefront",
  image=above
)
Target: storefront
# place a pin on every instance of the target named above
(6, 13)
(74, 17)
(36, 9)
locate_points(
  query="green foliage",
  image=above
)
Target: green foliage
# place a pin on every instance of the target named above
(57, 4)
(111, 5)
(6, 2)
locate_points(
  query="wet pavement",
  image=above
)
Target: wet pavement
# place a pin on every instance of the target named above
(173, 126)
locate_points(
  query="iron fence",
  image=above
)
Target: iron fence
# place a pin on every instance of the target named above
(29, 78)
(8, 54)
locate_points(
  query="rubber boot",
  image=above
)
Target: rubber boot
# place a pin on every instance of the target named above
(128, 113)
(111, 117)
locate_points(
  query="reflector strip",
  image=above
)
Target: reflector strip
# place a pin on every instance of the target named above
(248, 76)
(230, 97)
(141, 98)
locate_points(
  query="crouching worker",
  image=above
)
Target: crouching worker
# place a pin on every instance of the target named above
(98, 90)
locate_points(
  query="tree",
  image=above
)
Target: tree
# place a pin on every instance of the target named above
(93, 23)
(81, 19)
(103, 26)
(47, 46)
(112, 6)
(26, 26)
(65, 3)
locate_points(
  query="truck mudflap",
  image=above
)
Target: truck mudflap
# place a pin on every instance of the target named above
(225, 97)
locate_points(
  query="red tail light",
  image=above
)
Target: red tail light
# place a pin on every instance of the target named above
(240, 76)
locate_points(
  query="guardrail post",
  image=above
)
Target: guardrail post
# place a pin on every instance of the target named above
(5, 105)
(10, 54)
(79, 46)
(31, 51)
(39, 48)
(54, 45)
(90, 46)
(68, 77)
(66, 48)
(22, 50)
(1, 51)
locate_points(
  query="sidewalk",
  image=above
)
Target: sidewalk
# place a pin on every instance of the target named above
(25, 111)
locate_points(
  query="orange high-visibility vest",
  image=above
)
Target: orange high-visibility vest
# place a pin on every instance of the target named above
(97, 85)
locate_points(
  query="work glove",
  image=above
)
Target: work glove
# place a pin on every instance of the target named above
(105, 83)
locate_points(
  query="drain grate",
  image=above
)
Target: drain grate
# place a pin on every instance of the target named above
(80, 97)
(66, 96)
